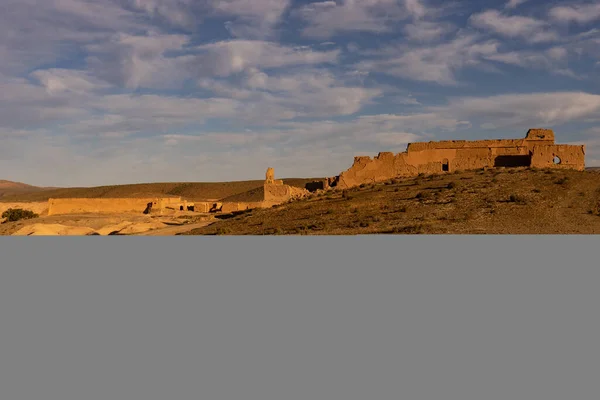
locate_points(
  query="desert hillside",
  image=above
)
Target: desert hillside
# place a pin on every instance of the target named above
(4, 184)
(187, 190)
(10, 188)
(504, 201)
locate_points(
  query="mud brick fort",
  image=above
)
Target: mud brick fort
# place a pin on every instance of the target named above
(537, 149)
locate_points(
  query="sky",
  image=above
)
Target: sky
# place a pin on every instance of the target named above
(110, 92)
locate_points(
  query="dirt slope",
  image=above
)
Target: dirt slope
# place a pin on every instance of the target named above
(10, 188)
(511, 201)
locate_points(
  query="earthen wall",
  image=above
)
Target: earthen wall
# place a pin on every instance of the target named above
(94, 205)
(537, 149)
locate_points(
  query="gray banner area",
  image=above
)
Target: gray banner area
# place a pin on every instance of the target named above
(226, 318)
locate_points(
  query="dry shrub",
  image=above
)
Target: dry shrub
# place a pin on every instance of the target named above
(17, 214)
(515, 198)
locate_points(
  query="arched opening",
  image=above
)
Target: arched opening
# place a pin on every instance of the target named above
(180, 208)
(556, 160)
(445, 165)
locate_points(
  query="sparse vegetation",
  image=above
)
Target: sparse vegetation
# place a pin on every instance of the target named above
(223, 231)
(17, 214)
(515, 198)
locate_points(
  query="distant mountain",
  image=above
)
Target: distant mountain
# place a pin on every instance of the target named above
(10, 187)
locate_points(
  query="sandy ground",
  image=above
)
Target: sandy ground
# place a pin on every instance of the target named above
(174, 230)
(107, 224)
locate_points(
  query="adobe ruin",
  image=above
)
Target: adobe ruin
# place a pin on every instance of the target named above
(537, 150)
(274, 192)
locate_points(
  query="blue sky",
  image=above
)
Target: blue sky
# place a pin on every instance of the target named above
(124, 91)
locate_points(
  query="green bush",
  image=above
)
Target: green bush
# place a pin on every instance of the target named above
(16, 214)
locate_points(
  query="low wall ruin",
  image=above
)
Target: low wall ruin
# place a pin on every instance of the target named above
(275, 192)
(101, 206)
(537, 149)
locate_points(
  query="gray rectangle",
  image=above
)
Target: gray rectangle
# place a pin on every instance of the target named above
(409, 317)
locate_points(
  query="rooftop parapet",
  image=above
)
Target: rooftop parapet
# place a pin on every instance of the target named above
(540, 134)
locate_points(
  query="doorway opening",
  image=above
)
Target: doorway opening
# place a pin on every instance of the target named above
(513, 161)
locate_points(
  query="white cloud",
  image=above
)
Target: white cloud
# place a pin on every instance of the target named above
(328, 18)
(27, 106)
(133, 61)
(254, 18)
(164, 108)
(526, 110)
(582, 13)
(557, 53)
(427, 31)
(437, 63)
(35, 32)
(514, 3)
(249, 18)
(230, 57)
(306, 93)
(57, 81)
(415, 8)
(529, 29)
(181, 12)
(554, 60)
(140, 61)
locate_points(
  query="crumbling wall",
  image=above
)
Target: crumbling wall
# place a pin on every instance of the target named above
(569, 157)
(367, 170)
(203, 206)
(282, 193)
(241, 206)
(276, 192)
(115, 205)
(536, 149)
(166, 203)
(321, 184)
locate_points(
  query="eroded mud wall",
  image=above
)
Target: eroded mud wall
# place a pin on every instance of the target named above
(536, 149)
(116, 205)
(559, 157)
